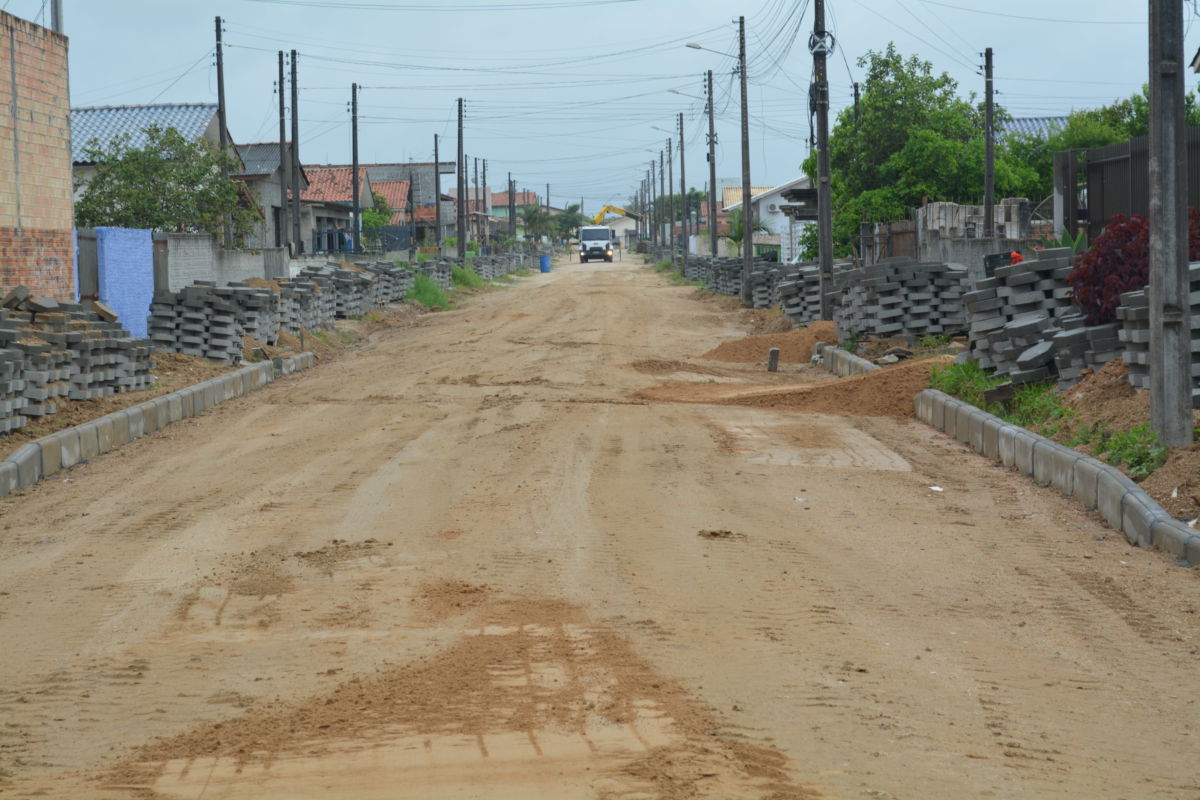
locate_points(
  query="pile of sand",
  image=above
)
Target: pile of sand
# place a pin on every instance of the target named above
(1107, 398)
(794, 346)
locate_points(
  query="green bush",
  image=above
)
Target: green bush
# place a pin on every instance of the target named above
(966, 381)
(935, 339)
(426, 292)
(465, 278)
(1037, 406)
(1138, 449)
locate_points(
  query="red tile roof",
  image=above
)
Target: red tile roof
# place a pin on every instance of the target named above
(396, 194)
(330, 184)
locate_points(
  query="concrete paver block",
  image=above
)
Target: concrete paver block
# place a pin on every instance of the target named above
(120, 428)
(1023, 451)
(89, 440)
(104, 434)
(51, 449)
(1083, 486)
(136, 429)
(1111, 487)
(28, 458)
(10, 478)
(1171, 536)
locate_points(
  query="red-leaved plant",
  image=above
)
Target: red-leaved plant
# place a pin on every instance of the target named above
(1118, 262)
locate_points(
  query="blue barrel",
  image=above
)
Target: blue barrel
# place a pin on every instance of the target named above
(545, 263)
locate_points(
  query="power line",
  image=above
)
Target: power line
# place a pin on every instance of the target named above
(1079, 21)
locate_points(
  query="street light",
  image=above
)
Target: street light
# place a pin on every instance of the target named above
(747, 211)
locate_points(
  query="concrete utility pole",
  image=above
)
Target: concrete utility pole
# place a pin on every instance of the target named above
(856, 99)
(747, 210)
(355, 220)
(683, 195)
(222, 121)
(475, 200)
(461, 169)
(296, 160)
(670, 193)
(820, 45)
(285, 166)
(486, 220)
(989, 150)
(653, 206)
(662, 200)
(56, 17)
(437, 196)
(712, 170)
(1170, 307)
(512, 208)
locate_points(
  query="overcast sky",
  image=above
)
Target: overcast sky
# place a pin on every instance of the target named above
(569, 93)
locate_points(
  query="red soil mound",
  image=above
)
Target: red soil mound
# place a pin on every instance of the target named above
(794, 346)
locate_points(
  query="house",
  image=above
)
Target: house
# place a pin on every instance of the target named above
(100, 125)
(781, 229)
(326, 206)
(262, 174)
(1037, 127)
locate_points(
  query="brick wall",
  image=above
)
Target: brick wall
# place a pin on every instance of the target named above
(35, 160)
(125, 274)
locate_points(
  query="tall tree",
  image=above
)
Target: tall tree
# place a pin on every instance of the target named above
(376, 218)
(537, 221)
(568, 220)
(170, 183)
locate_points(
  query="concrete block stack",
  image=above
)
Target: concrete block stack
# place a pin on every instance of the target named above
(12, 398)
(899, 296)
(439, 271)
(106, 360)
(800, 294)
(350, 288)
(197, 321)
(1134, 319)
(305, 305)
(764, 285)
(257, 310)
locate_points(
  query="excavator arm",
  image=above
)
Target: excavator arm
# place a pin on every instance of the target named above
(604, 212)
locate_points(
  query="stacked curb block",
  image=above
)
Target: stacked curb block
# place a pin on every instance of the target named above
(64, 449)
(841, 362)
(1093, 483)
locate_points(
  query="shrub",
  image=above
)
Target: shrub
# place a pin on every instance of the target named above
(1038, 407)
(1137, 448)
(966, 381)
(465, 278)
(426, 292)
(1118, 262)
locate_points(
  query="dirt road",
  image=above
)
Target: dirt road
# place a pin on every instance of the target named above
(465, 562)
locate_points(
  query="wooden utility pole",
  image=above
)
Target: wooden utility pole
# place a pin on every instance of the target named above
(989, 150)
(747, 210)
(355, 220)
(820, 45)
(1170, 306)
(223, 134)
(712, 170)
(461, 169)
(437, 196)
(683, 197)
(296, 160)
(285, 167)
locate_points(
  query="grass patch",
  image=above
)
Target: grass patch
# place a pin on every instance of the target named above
(465, 278)
(1138, 449)
(336, 337)
(966, 381)
(931, 340)
(427, 293)
(1037, 407)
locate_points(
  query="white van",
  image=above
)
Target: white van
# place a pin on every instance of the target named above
(596, 241)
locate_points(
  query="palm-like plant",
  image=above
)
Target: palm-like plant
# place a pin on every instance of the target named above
(537, 221)
(737, 225)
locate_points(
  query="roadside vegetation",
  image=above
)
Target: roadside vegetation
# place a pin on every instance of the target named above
(1039, 408)
(426, 292)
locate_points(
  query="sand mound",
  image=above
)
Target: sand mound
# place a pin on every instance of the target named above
(883, 393)
(1176, 484)
(1107, 398)
(794, 346)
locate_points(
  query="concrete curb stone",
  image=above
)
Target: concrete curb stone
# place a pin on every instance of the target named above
(1111, 487)
(120, 428)
(136, 423)
(28, 458)
(104, 433)
(185, 402)
(10, 477)
(89, 440)
(51, 449)
(149, 417)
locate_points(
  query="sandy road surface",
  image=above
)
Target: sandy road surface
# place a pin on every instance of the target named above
(462, 562)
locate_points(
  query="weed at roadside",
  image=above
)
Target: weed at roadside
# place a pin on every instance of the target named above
(465, 278)
(966, 381)
(426, 292)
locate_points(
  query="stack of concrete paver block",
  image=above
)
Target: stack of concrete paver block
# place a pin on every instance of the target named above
(899, 296)
(12, 398)
(305, 305)
(800, 294)
(197, 321)
(438, 271)
(350, 288)
(1134, 316)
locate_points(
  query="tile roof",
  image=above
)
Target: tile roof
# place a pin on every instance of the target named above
(522, 198)
(732, 195)
(104, 123)
(396, 194)
(261, 158)
(330, 184)
(1041, 127)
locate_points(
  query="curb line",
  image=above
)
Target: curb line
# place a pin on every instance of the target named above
(63, 449)
(1096, 485)
(842, 362)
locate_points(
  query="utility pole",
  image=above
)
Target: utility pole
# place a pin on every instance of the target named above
(487, 203)
(1170, 307)
(747, 210)
(285, 167)
(355, 222)
(437, 195)
(653, 207)
(821, 44)
(56, 17)
(222, 122)
(989, 150)
(662, 200)
(684, 199)
(856, 98)
(475, 200)
(461, 169)
(411, 202)
(670, 193)
(712, 170)
(547, 196)
(296, 159)
(512, 208)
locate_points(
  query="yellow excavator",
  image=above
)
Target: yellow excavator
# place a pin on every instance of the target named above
(604, 212)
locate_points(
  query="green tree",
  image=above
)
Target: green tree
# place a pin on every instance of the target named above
(376, 218)
(737, 227)
(914, 139)
(569, 220)
(170, 184)
(536, 221)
